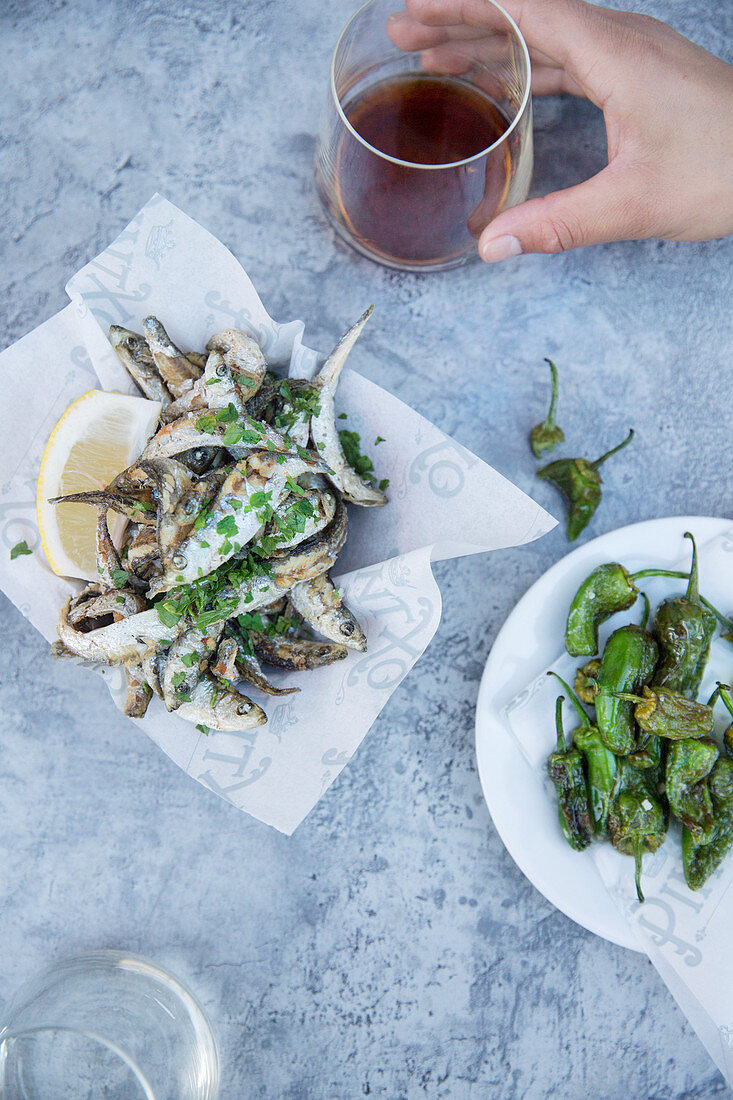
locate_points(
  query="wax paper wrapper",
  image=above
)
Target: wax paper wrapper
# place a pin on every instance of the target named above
(443, 502)
(686, 935)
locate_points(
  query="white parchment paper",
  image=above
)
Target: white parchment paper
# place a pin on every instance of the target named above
(686, 934)
(443, 502)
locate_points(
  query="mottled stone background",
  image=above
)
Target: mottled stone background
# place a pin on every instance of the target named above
(391, 947)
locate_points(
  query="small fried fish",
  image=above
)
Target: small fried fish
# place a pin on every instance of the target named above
(323, 425)
(318, 602)
(138, 361)
(178, 372)
(221, 709)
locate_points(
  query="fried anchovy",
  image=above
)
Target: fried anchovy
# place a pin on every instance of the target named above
(214, 390)
(119, 604)
(322, 505)
(319, 603)
(314, 556)
(123, 642)
(233, 519)
(177, 371)
(323, 425)
(221, 709)
(139, 693)
(187, 660)
(183, 435)
(244, 359)
(111, 501)
(138, 361)
(233, 665)
(108, 560)
(296, 654)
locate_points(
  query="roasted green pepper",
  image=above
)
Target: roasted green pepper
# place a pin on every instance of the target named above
(670, 714)
(601, 764)
(689, 763)
(566, 769)
(701, 860)
(586, 681)
(636, 821)
(579, 481)
(683, 627)
(628, 662)
(547, 435)
(606, 590)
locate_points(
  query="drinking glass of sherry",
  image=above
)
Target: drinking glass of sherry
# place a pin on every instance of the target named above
(412, 164)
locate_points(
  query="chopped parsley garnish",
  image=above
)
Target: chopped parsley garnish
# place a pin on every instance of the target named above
(120, 577)
(188, 659)
(227, 526)
(203, 729)
(232, 434)
(378, 440)
(20, 550)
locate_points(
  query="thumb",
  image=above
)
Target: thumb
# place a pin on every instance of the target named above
(604, 208)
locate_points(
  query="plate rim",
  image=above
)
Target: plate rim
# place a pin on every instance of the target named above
(486, 719)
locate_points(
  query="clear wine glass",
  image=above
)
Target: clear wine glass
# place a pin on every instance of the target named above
(408, 212)
(106, 1025)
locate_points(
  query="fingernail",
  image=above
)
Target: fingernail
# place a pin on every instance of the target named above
(500, 248)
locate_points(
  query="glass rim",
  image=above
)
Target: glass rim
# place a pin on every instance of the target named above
(415, 164)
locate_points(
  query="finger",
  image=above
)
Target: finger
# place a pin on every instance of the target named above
(408, 34)
(605, 208)
(560, 28)
(454, 59)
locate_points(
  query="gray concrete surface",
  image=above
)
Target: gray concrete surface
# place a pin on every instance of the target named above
(391, 948)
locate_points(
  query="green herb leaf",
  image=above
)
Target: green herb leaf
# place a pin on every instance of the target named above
(227, 415)
(384, 484)
(232, 434)
(168, 613)
(206, 423)
(20, 550)
(120, 577)
(378, 440)
(188, 659)
(227, 526)
(203, 729)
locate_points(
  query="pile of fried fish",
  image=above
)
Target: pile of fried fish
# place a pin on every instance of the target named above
(235, 515)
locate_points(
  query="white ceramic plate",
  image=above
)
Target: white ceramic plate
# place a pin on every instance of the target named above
(531, 640)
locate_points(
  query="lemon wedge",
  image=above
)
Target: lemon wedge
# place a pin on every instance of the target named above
(98, 436)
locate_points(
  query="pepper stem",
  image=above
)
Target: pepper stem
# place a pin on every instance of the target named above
(558, 725)
(723, 692)
(638, 859)
(550, 418)
(574, 700)
(677, 574)
(647, 609)
(693, 588)
(599, 461)
(628, 697)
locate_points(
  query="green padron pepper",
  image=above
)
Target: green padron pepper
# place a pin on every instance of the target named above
(636, 821)
(627, 663)
(579, 481)
(566, 768)
(586, 681)
(667, 713)
(600, 764)
(701, 860)
(689, 763)
(684, 627)
(546, 436)
(608, 589)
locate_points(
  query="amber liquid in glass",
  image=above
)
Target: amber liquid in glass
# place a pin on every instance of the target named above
(407, 213)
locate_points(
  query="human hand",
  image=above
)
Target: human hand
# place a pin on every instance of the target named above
(667, 106)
